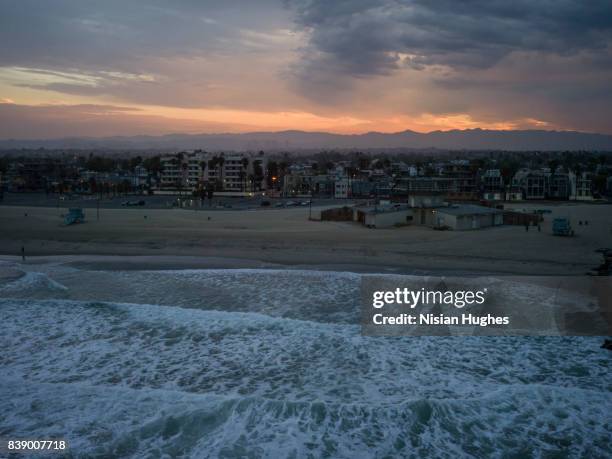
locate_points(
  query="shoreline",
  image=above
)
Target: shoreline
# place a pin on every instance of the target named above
(94, 262)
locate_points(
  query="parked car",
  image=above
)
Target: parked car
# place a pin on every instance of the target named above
(132, 203)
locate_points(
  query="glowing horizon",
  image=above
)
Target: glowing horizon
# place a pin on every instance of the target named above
(302, 65)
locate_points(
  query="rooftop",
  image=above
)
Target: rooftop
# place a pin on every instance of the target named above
(467, 209)
(384, 208)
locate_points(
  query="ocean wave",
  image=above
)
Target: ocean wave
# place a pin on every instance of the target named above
(121, 422)
(31, 284)
(271, 363)
(225, 352)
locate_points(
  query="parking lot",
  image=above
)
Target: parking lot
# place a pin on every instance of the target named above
(162, 201)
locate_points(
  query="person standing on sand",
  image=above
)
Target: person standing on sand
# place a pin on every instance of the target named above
(22, 253)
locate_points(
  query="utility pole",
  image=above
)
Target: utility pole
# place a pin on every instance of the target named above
(376, 197)
(310, 204)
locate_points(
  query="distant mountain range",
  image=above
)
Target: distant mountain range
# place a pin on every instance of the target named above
(470, 139)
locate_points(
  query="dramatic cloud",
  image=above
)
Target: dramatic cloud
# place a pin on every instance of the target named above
(374, 37)
(355, 64)
(521, 59)
(189, 54)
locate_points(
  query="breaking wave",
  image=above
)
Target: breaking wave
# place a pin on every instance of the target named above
(256, 363)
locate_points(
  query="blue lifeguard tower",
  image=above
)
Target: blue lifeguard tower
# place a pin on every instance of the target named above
(75, 215)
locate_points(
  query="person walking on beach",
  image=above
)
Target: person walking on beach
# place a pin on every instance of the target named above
(22, 253)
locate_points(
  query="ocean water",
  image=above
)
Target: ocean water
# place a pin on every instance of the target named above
(271, 363)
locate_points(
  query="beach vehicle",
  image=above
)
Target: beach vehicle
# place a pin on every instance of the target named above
(562, 227)
(74, 215)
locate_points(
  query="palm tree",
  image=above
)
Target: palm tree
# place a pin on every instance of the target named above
(202, 169)
(220, 162)
(185, 173)
(242, 177)
(252, 182)
(245, 165)
(212, 166)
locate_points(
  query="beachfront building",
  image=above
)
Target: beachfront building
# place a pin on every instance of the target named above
(426, 200)
(139, 177)
(300, 180)
(322, 185)
(559, 186)
(455, 217)
(465, 217)
(492, 185)
(432, 185)
(181, 170)
(463, 179)
(581, 186)
(532, 183)
(38, 173)
(514, 193)
(233, 172)
(297, 184)
(362, 188)
(341, 187)
(384, 215)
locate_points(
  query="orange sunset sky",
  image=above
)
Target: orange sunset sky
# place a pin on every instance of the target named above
(72, 68)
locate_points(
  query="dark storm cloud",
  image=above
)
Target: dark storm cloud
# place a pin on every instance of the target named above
(369, 38)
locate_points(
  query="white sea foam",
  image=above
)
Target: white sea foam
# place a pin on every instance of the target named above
(267, 364)
(32, 283)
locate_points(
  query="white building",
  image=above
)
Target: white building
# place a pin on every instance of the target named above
(238, 172)
(341, 188)
(580, 186)
(493, 185)
(467, 217)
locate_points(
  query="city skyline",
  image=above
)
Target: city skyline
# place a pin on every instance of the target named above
(71, 69)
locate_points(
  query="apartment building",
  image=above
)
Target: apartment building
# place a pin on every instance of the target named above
(581, 187)
(238, 172)
(559, 186)
(532, 183)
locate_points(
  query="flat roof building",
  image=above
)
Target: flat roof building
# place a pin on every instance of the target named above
(467, 217)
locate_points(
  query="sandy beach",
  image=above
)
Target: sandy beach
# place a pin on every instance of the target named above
(164, 239)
